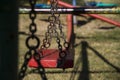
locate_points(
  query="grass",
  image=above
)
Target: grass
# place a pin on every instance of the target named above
(97, 50)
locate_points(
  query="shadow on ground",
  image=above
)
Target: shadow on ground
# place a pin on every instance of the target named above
(84, 74)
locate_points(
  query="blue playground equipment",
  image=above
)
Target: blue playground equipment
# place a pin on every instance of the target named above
(99, 4)
(42, 6)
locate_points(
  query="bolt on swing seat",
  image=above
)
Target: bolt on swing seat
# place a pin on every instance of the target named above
(50, 57)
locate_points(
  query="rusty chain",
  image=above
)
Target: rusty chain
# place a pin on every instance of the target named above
(32, 52)
(52, 31)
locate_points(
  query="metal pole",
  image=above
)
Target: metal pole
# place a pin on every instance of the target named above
(75, 10)
(8, 39)
(74, 17)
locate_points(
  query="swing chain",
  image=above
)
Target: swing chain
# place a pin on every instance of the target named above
(32, 29)
(57, 23)
(51, 28)
(52, 31)
(62, 53)
(32, 52)
(54, 19)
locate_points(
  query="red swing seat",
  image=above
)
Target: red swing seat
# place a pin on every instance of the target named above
(50, 59)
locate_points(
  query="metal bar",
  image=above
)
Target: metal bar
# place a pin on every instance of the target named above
(108, 20)
(76, 10)
(74, 17)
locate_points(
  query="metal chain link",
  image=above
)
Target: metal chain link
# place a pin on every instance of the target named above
(54, 24)
(32, 48)
(62, 54)
(62, 35)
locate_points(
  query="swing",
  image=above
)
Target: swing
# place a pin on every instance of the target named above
(45, 57)
(50, 59)
(54, 58)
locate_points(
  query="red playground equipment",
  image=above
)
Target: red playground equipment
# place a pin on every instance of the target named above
(61, 3)
(50, 59)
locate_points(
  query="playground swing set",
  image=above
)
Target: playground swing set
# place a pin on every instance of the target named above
(54, 58)
(9, 39)
(44, 57)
